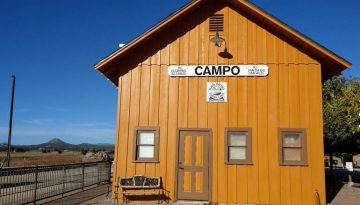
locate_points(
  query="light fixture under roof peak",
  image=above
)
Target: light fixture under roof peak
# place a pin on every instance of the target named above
(217, 39)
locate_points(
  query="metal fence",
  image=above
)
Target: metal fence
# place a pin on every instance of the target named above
(30, 184)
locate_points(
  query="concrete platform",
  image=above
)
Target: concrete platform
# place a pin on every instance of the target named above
(93, 195)
(98, 196)
(348, 195)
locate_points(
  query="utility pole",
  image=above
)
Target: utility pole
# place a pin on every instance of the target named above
(10, 121)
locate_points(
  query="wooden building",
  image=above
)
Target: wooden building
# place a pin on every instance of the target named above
(223, 102)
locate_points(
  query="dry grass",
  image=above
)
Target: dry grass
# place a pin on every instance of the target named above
(33, 158)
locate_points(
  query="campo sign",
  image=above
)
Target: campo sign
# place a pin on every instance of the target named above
(218, 70)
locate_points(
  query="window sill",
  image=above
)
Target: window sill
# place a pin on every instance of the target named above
(239, 163)
(294, 164)
(145, 161)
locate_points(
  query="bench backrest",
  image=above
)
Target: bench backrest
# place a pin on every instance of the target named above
(140, 182)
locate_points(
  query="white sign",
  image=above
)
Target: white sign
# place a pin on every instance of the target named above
(349, 166)
(218, 70)
(216, 92)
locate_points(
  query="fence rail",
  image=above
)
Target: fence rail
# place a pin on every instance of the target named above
(30, 184)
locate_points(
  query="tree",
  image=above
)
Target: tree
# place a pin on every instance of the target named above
(341, 110)
(83, 150)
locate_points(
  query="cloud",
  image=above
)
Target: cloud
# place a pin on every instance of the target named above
(92, 124)
(3, 132)
(83, 125)
(95, 133)
(58, 109)
(86, 130)
(37, 121)
(21, 110)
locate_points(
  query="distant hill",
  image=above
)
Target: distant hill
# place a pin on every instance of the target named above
(3, 147)
(58, 144)
(100, 145)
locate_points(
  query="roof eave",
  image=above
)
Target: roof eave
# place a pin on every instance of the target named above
(147, 34)
(297, 34)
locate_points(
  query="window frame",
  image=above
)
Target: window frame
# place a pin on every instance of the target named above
(248, 137)
(303, 147)
(138, 130)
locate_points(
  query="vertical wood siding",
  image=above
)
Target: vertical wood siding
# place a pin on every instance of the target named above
(289, 97)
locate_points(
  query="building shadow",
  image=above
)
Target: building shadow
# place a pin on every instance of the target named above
(141, 199)
(332, 189)
(338, 181)
(225, 54)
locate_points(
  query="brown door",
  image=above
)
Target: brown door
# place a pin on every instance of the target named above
(193, 165)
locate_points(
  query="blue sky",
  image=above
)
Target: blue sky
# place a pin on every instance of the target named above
(51, 47)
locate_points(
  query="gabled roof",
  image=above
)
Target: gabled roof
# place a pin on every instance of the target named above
(333, 63)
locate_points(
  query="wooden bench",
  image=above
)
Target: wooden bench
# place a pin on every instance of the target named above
(139, 186)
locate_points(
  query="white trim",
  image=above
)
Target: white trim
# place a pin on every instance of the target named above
(217, 70)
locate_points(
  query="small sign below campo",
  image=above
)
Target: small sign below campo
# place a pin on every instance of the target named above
(216, 92)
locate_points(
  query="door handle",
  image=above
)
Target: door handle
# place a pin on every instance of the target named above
(180, 166)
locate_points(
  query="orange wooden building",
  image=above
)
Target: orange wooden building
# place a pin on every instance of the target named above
(223, 102)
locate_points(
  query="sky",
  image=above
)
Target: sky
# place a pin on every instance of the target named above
(52, 46)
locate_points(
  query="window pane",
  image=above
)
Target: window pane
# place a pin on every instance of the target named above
(146, 152)
(238, 139)
(236, 153)
(292, 140)
(146, 138)
(292, 154)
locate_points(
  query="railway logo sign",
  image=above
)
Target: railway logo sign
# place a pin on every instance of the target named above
(216, 92)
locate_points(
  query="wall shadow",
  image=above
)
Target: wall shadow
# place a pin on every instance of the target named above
(332, 189)
(225, 54)
(340, 179)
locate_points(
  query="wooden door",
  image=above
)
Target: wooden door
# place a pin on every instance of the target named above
(193, 165)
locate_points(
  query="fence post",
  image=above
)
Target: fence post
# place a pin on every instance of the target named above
(83, 176)
(98, 174)
(109, 178)
(54, 185)
(109, 171)
(36, 182)
(63, 180)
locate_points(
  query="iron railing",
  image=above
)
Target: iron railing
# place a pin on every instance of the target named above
(30, 184)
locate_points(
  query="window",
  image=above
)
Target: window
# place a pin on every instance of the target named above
(238, 146)
(292, 147)
(146, 144)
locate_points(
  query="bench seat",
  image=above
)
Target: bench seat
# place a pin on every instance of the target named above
(139, 186)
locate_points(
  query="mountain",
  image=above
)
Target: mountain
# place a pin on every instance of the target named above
(98, 146)
(3, 146)
(58, 144)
